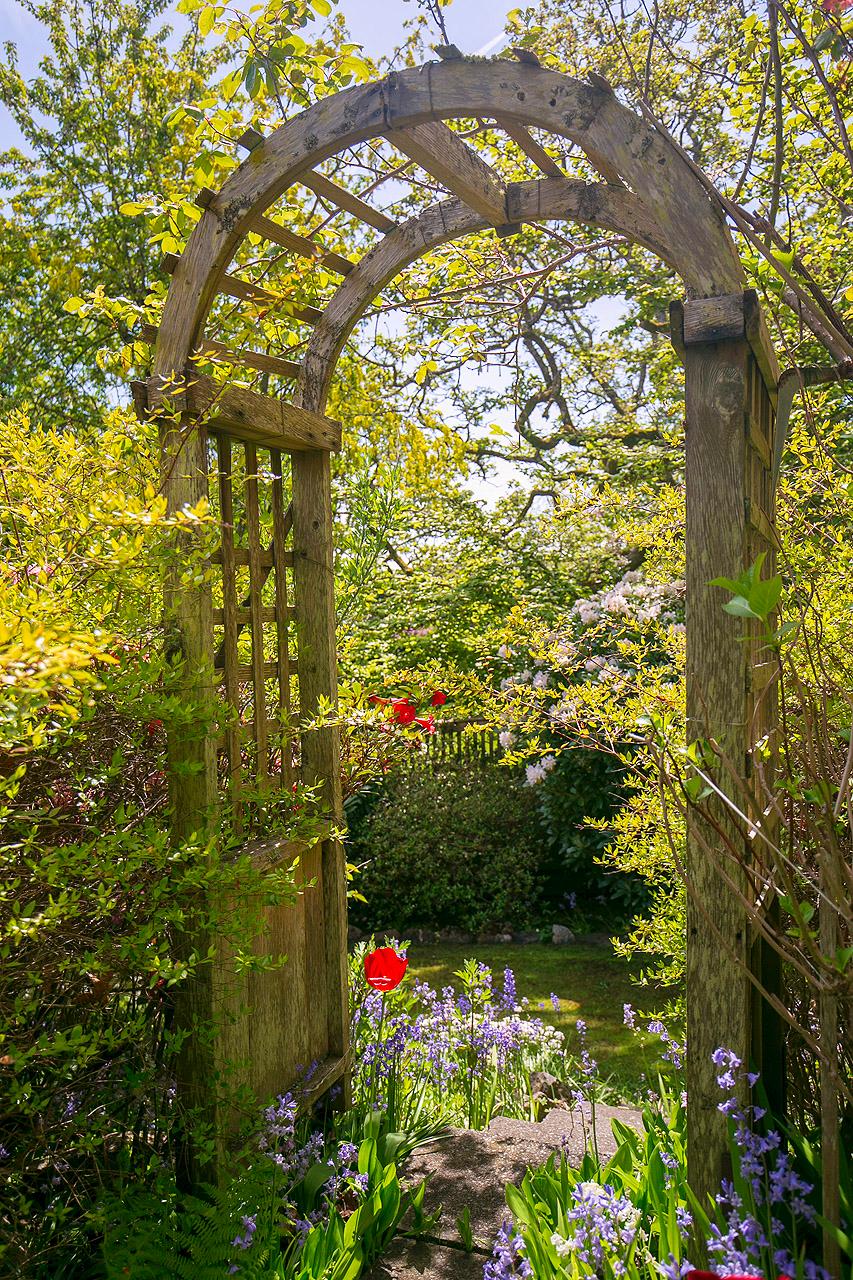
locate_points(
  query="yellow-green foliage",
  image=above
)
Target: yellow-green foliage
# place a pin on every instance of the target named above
(101, 915)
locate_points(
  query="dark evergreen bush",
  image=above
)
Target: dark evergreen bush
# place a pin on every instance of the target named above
(461, 846)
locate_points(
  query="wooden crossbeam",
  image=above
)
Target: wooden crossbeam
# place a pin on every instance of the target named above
(301, 245)
(240, 356)
(323, 186)
(532, 149)
(328, 190)
(456, 166)
(245, 291)
(246, 415)
(243, 616)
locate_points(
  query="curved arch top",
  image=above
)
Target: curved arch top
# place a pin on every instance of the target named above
(664, 207)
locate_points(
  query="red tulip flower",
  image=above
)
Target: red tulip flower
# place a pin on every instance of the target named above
(712, 1275)
(438, 699)
(384, 969)
(403, 711)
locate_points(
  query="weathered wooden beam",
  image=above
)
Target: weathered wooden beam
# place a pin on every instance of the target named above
(245, 414)
(328, 190)
(245, 291)
(259, 360)
(302, 245)
(531, 148)
(270, 230)
(440, 152)
(731, 316)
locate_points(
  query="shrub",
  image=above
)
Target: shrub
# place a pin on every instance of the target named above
(454, 846)
(96, 901)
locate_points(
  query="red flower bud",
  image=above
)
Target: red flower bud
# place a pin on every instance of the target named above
(438, 699)
(403, 711)
(427, 723)
(376, 701)
(384, 969)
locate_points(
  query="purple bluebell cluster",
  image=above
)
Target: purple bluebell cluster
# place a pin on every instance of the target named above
(753, 1225)
(283, 1141)
(507, 1258)
(602, 1228)
(465, 1056)
(244, 1239)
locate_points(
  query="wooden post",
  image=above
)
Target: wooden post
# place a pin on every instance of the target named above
(313, 572)
(713, 336)
(192, 789)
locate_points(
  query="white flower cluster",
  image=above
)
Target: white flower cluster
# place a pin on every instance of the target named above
(632, 598)
(537, 771)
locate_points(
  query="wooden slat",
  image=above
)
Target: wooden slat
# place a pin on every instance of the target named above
(531, 148)
(301, 245)
(440, 152)
(253, 527)
(243, 616)
(247, 415)
(328, 190)
(277, 852)
(246, 291)
(714, 319)
(259, 360)
(229, 617)
(759, 521)
(270, 230)
(245, 672)
(241, 557)
(313, 537)
(282, 614)
(758, 442)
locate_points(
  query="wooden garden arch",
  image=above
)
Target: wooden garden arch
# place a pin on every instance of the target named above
(649, 194)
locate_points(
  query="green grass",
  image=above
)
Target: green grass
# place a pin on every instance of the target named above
(591, 982)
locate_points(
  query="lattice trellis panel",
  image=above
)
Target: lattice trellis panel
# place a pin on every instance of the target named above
(253, 618)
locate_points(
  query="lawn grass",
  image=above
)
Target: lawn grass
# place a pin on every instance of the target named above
(591, 982)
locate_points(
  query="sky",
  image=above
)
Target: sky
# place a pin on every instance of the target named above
(473, 25)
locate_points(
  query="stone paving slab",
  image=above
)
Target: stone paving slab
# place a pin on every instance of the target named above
(418, 1260)
(469, 1169)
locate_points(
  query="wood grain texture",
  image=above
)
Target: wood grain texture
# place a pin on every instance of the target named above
(534, 150)
(301, 245)
(259, 666)
(246, 415)
(528, 95)
(717, 935)
(315, 629)
(192, 782)
(345, 200)
(438, 150)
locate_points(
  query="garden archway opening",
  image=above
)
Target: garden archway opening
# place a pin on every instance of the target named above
(650, 194)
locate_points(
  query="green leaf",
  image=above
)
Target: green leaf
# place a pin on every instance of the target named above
(207, 19)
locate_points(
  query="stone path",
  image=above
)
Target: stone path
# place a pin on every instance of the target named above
(469, 1169)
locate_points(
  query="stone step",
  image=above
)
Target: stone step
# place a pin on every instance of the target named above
(470, 1169)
